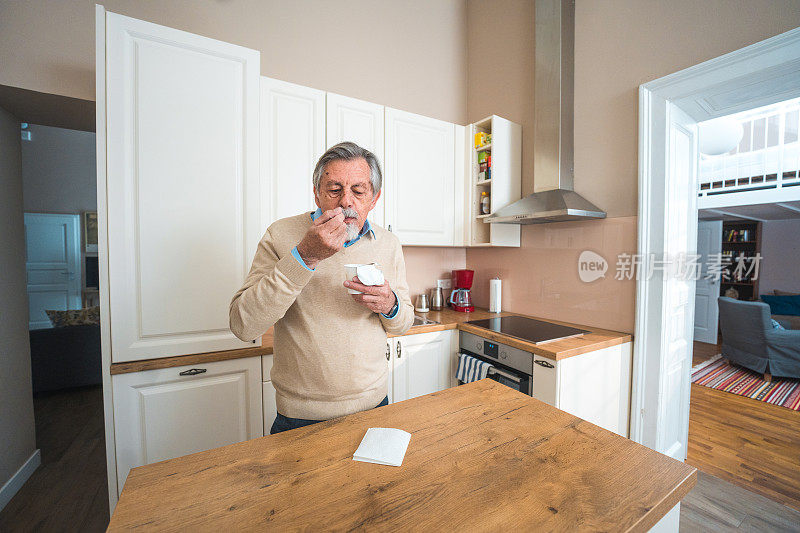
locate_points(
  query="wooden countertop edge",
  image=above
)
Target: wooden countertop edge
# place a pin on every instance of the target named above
(611, 338)
(430, 328)
(665, 505)
(191, 359)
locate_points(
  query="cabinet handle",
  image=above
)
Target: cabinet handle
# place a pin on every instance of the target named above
(192, 372)
(388, 351)
(399, 349)
(390, 227)
(544, 363)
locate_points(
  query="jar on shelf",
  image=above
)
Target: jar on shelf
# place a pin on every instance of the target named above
(485, 203)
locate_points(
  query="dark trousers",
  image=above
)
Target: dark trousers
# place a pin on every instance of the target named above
(285, 423)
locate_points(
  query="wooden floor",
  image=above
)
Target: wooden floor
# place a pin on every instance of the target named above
(748, 442)
(68, 492)
(716, 505)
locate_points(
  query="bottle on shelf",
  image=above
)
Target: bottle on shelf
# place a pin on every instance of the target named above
(485, 203)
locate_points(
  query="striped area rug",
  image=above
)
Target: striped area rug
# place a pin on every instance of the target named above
(718, 373)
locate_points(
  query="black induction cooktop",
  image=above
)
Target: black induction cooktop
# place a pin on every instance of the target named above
(528, 329)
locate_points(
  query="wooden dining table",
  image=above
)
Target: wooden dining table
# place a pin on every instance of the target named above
(482, 457)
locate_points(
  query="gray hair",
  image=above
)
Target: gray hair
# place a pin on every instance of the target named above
(347, 151)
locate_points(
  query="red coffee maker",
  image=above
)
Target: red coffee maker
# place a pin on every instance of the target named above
(460, 298)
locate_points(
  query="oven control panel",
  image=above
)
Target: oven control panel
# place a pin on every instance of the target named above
(502, 353)
(490, 349)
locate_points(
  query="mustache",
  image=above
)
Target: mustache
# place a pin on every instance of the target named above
(349, 212)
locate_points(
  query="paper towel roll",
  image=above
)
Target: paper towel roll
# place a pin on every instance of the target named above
(495, 295)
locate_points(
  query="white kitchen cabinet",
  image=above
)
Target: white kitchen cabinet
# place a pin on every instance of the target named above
(420, 179)
(166, 413)
(268, 393)
(292, 140)
(360, 122)
(594, 386)
(422, 363)
(179, 169)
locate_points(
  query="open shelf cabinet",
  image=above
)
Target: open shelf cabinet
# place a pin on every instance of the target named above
(501, 179)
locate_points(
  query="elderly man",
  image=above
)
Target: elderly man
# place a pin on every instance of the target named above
(330, 346)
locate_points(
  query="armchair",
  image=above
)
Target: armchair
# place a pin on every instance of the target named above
(749, 340)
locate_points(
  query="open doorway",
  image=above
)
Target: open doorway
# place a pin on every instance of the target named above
(744, 424)
(670, 110)
(58, 238)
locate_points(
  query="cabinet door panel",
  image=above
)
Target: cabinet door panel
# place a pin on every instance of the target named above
(420, 178)
(603, 376)
(159, 414)
(182, 187)
(422, 364)
(360, 122)
(293, 139)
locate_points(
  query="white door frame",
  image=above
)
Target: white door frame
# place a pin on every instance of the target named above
(102, 250)
(761, 74)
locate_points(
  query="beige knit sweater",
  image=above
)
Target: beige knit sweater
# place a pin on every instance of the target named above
(330, 351)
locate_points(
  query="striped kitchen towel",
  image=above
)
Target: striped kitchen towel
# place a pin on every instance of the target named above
(471, 369)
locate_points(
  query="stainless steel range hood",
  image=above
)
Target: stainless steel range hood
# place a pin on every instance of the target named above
(553, 199)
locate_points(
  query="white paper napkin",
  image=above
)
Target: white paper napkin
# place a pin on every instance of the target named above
(384, 446)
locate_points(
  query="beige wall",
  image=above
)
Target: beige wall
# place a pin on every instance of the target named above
(780, 249)
(17, 438)
(408, 55)
(541, 277)
(619, 45)
(425, 265)
(59, 171)
(500, 59)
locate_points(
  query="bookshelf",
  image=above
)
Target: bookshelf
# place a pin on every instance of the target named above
(740, 239)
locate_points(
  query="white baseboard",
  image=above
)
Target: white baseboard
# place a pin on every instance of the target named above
(16, 482)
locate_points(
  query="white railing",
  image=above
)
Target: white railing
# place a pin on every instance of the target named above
(766, 159)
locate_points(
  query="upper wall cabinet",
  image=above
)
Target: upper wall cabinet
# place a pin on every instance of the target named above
(292, 140)
(181, 179)
(420, 179)
(361, 122)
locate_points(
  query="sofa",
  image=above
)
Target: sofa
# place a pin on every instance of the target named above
(750, 340)
(787, 321)
(65, 357)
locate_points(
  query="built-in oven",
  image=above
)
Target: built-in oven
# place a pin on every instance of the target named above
(510, 366)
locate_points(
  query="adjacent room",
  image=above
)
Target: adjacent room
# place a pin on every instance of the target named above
(745, 402)
(57, 167)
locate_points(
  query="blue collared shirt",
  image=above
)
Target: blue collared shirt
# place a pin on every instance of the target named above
(365, 229)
